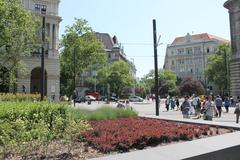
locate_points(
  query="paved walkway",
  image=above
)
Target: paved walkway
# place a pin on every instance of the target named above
(184, 149)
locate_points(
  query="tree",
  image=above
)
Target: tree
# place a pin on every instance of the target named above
(167, 81)
(118, 76)
(189, 86)
(217, 69)
(80, 50)
(17, 36)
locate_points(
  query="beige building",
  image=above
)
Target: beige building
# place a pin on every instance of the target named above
(32, 78)
(234, 14)
(188, 55)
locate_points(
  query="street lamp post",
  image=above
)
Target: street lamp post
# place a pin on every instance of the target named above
(134, 83)
(43, 13)
(156, 66)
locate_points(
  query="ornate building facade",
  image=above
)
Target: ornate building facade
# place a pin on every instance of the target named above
(234, 14)
(31, 80)
(188, 55)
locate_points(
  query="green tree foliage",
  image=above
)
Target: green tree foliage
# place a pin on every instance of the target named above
(217, 69)
(167, 81)
(81, 40)
(189, 86)
(117, 75)
(17, 35)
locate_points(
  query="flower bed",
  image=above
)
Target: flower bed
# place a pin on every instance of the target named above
(127, 133)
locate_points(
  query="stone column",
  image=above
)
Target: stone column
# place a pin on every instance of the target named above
(234, 14)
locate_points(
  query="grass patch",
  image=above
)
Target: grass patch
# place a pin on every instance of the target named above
(102, 113)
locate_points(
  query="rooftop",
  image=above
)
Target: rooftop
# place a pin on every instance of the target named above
(198, 38)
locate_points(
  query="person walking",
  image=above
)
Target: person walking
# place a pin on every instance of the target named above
(227, 104)
(167, 103)
(172, 103)
(237, 111)
(198, 109)
(177, 103)
(74, 97)
(218, 103)
(209, 108)
(195, 103)
(185, 107)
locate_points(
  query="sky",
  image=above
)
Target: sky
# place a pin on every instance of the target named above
(131, 22)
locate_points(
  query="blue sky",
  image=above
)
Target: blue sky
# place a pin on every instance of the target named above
(131, 22)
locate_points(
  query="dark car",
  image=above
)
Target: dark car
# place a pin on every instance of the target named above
(114, 99)
(80, 99)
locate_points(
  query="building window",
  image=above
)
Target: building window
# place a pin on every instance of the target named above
(208, 50)
(189, 50)
(180, 51)
(197, 50)
(172, 62)
(37, 7)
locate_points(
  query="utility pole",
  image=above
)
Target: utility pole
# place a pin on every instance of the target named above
(43, 12)
(155, 66)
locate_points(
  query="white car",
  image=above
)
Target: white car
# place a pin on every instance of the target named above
(90, 98)
(135, 99)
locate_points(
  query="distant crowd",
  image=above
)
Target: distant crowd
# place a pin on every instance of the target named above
(205, 107)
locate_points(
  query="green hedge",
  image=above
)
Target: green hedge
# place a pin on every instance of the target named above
(19, 97)
(23, 124)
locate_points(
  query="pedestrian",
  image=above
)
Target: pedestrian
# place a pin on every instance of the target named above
(237, 111)
(167, 103)
(198, 109)
(24, 89)
(185, 107)
(209, 108)
(74, 97)
(227, 104)
(177, 103)
(218, 103)
(172, 103)
(195, 103)
(231, 101)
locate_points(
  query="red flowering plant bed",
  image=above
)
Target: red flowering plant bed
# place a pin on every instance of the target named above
(127, 133)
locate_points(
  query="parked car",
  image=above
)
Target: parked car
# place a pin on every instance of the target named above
(80, 99)
(114, 99)
(90, 98)
(135, 99)
(103, 98)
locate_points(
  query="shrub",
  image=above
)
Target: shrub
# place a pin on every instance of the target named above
(23, 124)
(19, 97)
(127, 133)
